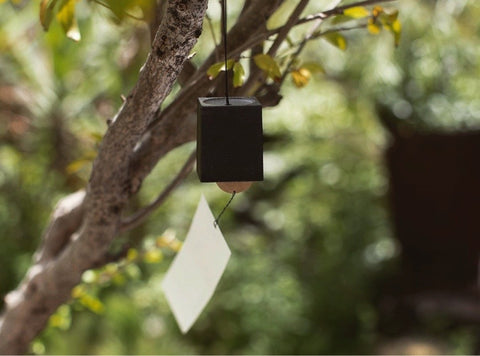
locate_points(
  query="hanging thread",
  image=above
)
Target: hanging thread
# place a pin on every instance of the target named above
(215, 222)
(227, 98)
(225, 48)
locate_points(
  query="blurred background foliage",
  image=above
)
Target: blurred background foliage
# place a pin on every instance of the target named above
(312, 245)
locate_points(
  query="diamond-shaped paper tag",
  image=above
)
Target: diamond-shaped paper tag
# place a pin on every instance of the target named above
(196, 270)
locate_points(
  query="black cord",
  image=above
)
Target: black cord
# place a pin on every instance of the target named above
(225, 48)
(215, 223)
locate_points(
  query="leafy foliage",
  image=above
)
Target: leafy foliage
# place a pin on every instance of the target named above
(389, 21)
(216, 68)
(269, 66)
(64, 12)
(312, 244)
(337, 39)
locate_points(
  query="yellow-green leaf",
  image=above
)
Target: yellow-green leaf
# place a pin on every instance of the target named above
(77, 165)
(356, 12)
(153, 256)
(337, 40)
(66, 18)
(216, 68)
(377, 10)
(62, 318)
(47, 8)
(119, 279)
(238, 75)
(168, 239)
(111, 269)
(391, 23)
(132, 254)
(314, 68)
(301, 77)
(373, 27)
(397, 31)
(268, 65)
(92, 303)
(82, 162)
(78, 291)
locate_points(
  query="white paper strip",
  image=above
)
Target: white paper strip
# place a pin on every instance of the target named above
(196, 270)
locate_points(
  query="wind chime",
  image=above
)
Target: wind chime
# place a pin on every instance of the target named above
(229, 136)
(230, 153)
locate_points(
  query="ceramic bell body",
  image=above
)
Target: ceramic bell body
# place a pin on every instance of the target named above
(229, 140)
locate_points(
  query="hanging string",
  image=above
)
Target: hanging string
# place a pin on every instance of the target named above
(225, 48)
(215, 222)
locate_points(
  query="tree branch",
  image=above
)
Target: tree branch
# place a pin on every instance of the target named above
(137, 218)
(181, 112)
(66, 219)
(254, 81)
(48, 285)
(176, 124)
(339, 10)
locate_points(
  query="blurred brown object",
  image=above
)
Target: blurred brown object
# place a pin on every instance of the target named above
(435, 201)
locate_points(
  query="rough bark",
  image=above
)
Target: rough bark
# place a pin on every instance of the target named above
(49, 282)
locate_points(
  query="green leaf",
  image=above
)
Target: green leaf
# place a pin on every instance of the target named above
(47, 8)
(391, 23)
(314, 68)
(82, 162)
(377, 11)
(153, 256)
(238, 75)
(337, 40)
(78, 291)
(81, 294)
(357, 12)
(216, 68)
(66, 18)
(132, 255)
(397, 31)
(373, 27)
(268, 65)
(92, 303)
(62, 318)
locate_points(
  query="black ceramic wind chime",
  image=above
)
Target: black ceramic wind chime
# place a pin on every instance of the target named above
(229, 136)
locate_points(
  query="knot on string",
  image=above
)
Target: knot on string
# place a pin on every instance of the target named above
(215, 222)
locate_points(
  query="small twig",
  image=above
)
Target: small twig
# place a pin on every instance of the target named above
(302, 45)
(338, 29)
(191, 88)
(319, 18)
(338, 10)
(137, 218)
(355, 4)
(285, 30)
(315, 36)
(253, 81)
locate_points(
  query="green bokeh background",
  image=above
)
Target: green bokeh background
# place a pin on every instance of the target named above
(311, 245)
